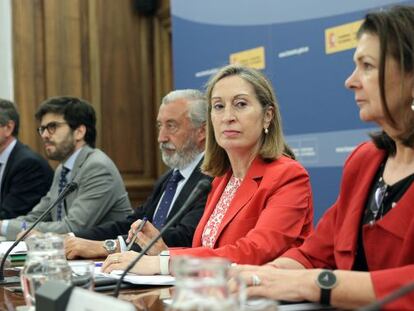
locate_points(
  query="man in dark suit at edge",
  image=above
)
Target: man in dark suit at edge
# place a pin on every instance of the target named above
(181, 125)
(25, 176)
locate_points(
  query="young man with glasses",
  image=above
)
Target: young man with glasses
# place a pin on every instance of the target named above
(67, 128)
(25, 176)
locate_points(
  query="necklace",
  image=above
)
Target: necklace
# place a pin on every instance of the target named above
(380, 193)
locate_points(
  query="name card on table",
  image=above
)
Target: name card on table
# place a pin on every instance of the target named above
(85, 300)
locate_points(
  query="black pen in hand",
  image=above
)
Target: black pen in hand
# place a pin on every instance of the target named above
(140, 227)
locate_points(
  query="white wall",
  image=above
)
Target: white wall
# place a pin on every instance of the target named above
(6, 61)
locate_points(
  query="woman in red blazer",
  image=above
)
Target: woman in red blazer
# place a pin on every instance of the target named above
(370, 228)
(260, 204)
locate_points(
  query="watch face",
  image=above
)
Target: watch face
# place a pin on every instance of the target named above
(326, 279)
(110, 244)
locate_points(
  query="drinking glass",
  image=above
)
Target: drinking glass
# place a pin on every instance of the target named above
(82, 273)
(45, 260)
(203, 285)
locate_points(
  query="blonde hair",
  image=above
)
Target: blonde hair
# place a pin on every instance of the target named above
(216, 161)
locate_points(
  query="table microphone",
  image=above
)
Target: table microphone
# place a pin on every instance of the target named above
(377, 305)
(202, 186)
(70, 187)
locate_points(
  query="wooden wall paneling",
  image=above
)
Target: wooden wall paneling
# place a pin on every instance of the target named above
(55, 33)
(94, 71)
(126, 94)
(28, 63)
(146, 65)
(163, 61)
(105, 52)
(64, 49)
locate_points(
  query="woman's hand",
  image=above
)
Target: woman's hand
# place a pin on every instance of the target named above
(148, 265)
(279, 284)
(147, 234)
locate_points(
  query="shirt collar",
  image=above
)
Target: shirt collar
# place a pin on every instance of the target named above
(4, 156)
(69, 163)
(188, 170)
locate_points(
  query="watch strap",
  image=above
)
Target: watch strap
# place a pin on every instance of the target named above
(326, 281)
(325, 296)
(164, 264)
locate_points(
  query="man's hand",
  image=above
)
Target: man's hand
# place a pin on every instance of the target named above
(146, 235)
(77, 247)
(33, 232)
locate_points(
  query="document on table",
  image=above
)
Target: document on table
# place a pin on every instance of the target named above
(20, 248)
(138, 279)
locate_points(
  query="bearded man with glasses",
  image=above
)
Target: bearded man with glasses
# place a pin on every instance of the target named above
(68, 130)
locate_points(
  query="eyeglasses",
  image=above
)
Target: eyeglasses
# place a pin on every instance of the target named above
(50, 127)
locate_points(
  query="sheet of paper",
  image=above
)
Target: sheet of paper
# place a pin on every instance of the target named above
(139, 279)
(20, 248)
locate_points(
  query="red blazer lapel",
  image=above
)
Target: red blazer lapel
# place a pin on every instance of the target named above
(403, 212)
(360, 186)
(244, 194)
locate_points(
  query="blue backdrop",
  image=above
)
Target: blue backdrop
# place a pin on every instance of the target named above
(320, 117)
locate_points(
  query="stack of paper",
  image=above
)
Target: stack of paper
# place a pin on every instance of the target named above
(139, 279)
(18, 253)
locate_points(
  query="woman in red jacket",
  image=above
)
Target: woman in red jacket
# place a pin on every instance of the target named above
(260, 204)
(365, 241)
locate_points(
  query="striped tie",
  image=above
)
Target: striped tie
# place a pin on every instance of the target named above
(164, 207)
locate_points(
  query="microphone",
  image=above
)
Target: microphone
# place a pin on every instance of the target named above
(70, 187)
(202, 186)
(377, 305)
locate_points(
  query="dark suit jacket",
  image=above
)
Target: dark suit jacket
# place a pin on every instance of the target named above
(27, 177)
(180, 234)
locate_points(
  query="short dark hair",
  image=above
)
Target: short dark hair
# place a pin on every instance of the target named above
(395, 30)
(8, 112)
(75, 111)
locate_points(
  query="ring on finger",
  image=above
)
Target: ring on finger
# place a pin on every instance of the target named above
(256, 281)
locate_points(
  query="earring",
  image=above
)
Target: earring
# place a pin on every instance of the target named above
(412, 105)
(266, 130)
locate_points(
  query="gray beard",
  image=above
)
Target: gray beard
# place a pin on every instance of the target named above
(182, 157)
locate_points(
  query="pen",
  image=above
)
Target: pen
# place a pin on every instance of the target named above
(141, 226)
(98, 264)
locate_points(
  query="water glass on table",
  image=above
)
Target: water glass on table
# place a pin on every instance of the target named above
(83, 273)
(45, 261)
(202, 284)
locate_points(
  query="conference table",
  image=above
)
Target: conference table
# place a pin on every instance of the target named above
(143, 298)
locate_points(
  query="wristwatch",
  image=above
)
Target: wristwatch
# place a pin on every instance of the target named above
(326, 281)
(110, 246)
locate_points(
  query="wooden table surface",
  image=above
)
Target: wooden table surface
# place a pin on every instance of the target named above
(141, 298)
